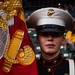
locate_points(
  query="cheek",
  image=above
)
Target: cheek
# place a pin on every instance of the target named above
(59, 42)
(41, 41)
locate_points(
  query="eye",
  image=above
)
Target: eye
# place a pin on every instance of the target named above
(44, 34)
(53, 34)
(56, 34)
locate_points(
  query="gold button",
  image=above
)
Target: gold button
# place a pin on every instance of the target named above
(49, 70)
(43, 61)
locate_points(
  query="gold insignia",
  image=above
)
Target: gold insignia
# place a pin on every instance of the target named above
(26, 56)
(43, 61)
(4, 5)
(50, 12)
(12, 49)
(11, 7)
(55, 61)
(11, 14)
(14, 4)
(49, 70)
(3, 24)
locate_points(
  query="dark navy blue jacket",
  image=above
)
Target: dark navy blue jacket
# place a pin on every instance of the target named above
(56, 66)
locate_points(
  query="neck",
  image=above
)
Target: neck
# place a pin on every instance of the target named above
(49, 56)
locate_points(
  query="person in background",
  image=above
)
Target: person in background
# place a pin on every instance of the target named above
(51, 24)
(70, 38)
(17, 56)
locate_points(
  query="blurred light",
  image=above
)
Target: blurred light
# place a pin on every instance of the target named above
(34, 34)
(37, 47)
(59, 4)
(66, 54)
(29, 31)
(38, 56)
(62, 47)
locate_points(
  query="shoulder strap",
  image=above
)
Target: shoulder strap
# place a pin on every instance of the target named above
(71, 67)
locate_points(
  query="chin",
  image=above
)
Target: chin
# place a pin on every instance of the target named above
(51, 53)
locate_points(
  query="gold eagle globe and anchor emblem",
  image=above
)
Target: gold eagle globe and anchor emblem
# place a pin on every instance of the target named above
(26, 55)
(50, 12)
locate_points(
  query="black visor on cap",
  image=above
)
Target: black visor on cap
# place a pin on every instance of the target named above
(50, 28)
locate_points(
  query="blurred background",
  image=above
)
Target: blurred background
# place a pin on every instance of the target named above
(31, 5)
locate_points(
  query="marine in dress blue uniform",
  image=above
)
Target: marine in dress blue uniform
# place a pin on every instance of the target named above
(52, 20)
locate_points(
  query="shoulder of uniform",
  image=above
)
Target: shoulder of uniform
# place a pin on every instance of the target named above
(66, 59)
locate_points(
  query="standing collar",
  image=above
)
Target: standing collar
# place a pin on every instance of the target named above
(51, 62)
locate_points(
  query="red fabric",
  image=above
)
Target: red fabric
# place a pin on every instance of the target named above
(1, 0)
(18, 69)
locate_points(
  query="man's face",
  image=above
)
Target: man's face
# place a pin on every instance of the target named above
(50, 42)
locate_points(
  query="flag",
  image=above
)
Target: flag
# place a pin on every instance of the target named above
(19, 56)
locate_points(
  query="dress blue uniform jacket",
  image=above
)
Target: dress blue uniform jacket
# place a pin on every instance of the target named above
(56, 66)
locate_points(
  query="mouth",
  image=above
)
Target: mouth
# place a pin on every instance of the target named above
(50, 45)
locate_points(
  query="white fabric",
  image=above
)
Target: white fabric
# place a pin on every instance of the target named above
(10, 22)
(3, 14)
(71, 67)
(50, 15)
(51, 21)
(3, 41)
(1, 2)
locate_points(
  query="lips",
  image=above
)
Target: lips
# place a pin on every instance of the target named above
(50, 45)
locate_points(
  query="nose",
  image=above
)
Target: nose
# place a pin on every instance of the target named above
(50, 38)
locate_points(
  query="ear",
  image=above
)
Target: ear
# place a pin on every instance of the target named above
(64, 41)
